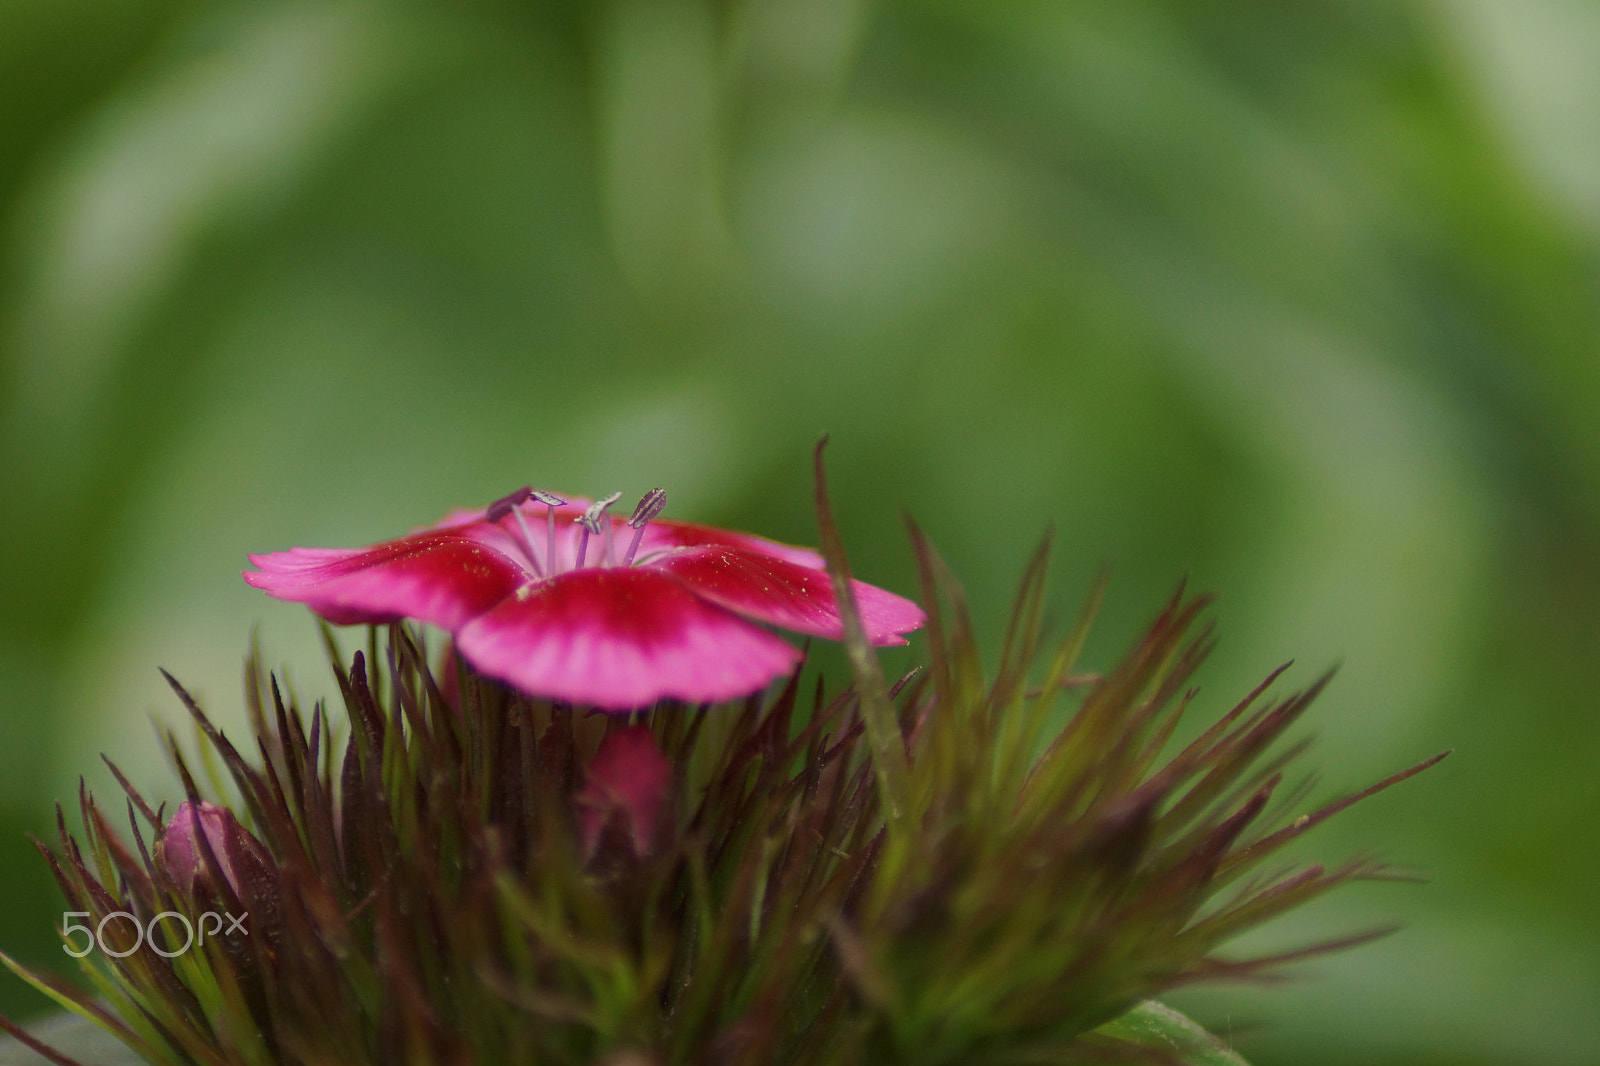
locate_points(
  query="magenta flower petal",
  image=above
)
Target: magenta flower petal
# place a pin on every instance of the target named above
(622, 638)
(776, 591)
(664, 534)
(437, 577)
(628, 776)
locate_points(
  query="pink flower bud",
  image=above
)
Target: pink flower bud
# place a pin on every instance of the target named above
(629, 780)
(242, 859)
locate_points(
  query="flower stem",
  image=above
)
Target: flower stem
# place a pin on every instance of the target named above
(877, 711)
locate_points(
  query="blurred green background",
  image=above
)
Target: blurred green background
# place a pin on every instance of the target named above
(1296, 300)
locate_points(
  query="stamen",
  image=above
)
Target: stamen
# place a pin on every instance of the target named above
(551, 501)
(650, 505)
(505, 505)
(590, 521)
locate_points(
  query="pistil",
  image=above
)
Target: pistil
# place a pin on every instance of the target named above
(590, 521)
(551, 501)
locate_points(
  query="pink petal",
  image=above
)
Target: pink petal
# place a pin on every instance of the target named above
(440, 577)
(776, 591)
(628, 774)
(621, 638)
(664, 534)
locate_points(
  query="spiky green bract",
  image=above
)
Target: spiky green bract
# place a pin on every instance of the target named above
(436, 905)
(1049, 883)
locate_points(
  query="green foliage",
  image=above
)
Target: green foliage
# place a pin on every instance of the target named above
(1004, 894)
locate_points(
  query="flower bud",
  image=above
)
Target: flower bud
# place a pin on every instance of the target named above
(626, 785)
(241, 859)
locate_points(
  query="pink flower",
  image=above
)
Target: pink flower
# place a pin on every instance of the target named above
(565, 601)
(629, 779)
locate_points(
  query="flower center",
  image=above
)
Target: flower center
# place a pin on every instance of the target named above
(593, 521)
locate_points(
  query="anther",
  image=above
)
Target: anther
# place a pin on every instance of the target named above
(506, 504)
(650, 505)
(590, 521)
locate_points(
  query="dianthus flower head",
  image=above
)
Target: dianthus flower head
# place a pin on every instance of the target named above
(563, 600)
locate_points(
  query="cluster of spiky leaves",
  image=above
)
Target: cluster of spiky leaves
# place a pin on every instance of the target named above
(921, 874)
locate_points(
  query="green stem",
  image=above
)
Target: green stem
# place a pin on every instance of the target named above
(877, 711)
